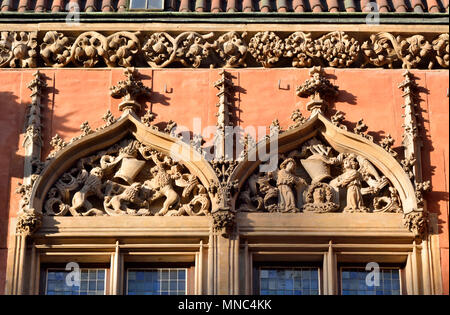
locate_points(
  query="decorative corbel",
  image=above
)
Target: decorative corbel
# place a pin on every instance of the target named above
(224, 216)
(318, 87)
(130, 90)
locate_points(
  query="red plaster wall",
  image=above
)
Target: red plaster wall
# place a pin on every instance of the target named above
(77, 95)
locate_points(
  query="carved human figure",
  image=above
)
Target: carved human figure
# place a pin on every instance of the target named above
(92, 186)
(287, 181)
(351, 178)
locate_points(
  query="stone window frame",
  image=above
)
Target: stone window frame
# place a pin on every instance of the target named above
(329, 257)
(114, 257)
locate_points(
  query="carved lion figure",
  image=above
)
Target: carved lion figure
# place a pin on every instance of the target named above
(92, 186)
(119, 204)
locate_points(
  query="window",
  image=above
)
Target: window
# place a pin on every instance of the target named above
(157, 281)
(156, 5)
(353, 281)
(61, 282)
(289, 281)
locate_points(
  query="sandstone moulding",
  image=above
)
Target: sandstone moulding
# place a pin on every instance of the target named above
(223, 49)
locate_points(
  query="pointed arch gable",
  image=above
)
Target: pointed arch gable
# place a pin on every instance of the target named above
(127, 125)
(343, 142)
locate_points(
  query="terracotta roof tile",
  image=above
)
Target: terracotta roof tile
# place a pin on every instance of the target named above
(431, 6)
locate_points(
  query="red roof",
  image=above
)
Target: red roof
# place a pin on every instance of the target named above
(431, 6)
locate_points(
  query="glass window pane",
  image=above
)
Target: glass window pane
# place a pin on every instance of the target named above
(137, 4)
(289, 281)
(64, 282)
(358, 281)
(155, 4)
(158, 281)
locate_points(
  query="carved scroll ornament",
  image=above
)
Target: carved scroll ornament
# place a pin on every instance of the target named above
(229, 49)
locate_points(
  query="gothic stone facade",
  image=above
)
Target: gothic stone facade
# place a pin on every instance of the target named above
(94, 170)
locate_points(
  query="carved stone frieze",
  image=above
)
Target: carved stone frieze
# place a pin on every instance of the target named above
(56, 49)
(231, 49)
(316, 178)
(266, 48)
(158, 49)
(228, 49)
(382, 49)
(18, 49)
(191, 49)
(127, 178)
(413, 52)
(88, 49)
(301, 48)
(338, 49)
(441, 48)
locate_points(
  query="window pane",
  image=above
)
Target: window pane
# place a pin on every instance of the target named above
(354, 282)
(287, 281)
(160, 281)
(155, 4)
(63, 282)
(137, 4)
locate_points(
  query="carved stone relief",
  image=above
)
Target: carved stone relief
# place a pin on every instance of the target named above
(231, 49)
(316, 178)
(128, 178)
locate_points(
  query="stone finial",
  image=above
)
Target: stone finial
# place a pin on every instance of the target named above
(130, 90)
(318, 88)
